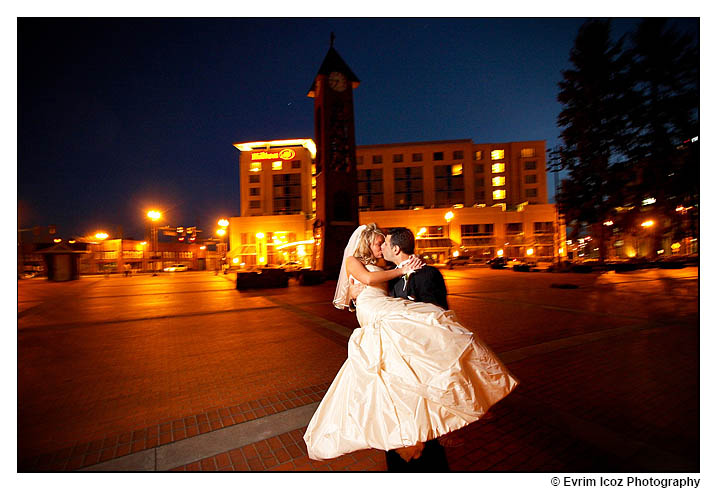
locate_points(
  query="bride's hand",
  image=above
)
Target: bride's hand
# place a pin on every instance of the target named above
(413, 264)
(355, 289)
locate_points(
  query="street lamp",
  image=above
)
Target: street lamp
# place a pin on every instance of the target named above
(222, 232)
(449, 215)
(154, 215)
(101, 235)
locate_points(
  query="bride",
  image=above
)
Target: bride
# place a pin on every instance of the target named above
(413, 372)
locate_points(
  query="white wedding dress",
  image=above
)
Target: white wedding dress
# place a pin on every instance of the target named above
(413, 373)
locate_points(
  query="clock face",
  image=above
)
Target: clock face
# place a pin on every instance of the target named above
(337, 81)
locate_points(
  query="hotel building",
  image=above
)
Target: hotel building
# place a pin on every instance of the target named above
(496, 194)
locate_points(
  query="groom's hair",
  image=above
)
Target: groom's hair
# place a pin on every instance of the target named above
(402, 237)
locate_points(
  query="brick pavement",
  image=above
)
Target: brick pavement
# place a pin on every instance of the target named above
(615, 385)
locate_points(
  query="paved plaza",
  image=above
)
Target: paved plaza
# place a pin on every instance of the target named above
(181, 371)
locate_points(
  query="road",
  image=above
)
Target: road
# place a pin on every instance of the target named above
(112, 367)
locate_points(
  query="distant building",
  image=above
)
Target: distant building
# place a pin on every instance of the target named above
(438, 174)
(497, 193)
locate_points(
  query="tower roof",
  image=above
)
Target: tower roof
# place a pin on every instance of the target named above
(334, 63)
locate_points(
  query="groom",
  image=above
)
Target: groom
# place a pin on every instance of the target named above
(424, 285)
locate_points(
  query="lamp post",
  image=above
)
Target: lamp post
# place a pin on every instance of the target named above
(449, 215)
(101, 236)
(222, 232)
(154, 215)
(647, 225)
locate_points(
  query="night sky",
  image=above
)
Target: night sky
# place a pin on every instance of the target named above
(117, 116)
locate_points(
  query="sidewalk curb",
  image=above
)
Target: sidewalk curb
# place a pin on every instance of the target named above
(182, 452)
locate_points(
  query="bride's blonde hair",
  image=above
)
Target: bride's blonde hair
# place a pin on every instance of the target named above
(363, 252)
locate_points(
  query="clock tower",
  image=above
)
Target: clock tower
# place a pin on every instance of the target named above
(337, 212)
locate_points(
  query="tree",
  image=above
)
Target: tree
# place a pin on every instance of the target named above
(595, 129)
(664, 71)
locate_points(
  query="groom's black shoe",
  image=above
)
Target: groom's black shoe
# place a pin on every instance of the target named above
(433, 459)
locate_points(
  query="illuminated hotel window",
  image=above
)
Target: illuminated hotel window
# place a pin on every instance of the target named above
(543, 228)
(528, 152)
(417, 157)
(530, 179)
(516, 228)
(371, 189)
(434, 231)
(477, 230)
(479, 155)
(296, 164)
(499, 194)
(530, 165)
(531, 193)
(438, 155)
(314, 181)
(458, 154)
(449, 187)
(397, 157)
(457, 169)
(498, 181)
(497, 168)
(408, 187)
(254, 179)
(314, 169)
(314, 193)
(497, 154)
(255, 167)
(255, 204)
(277, 165)
(287, 193)
(254, 191)
(376, 159)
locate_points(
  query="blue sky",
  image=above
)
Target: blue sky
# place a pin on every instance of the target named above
(119, 114)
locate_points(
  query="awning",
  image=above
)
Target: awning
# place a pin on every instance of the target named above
(441, 243)
(243, 250)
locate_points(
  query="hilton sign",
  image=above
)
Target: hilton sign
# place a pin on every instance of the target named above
(284, 154)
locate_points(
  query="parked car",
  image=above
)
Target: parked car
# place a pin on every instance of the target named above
(515, 262)
(497, 263)
(518, 265)
(458, 261)
(292, 266)
(176, 267)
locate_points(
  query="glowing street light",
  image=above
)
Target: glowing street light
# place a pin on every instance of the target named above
(608, 223)
(154, 215)
(223, 222)
(648, 223)
(221, 232)
(449, 215)
(101, 235)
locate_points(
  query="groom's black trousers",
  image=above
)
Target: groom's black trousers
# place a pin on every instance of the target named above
(433, 459)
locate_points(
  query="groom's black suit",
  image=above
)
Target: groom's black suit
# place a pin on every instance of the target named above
(424, 285)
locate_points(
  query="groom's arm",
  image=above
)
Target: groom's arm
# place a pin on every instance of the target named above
(432, 288)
